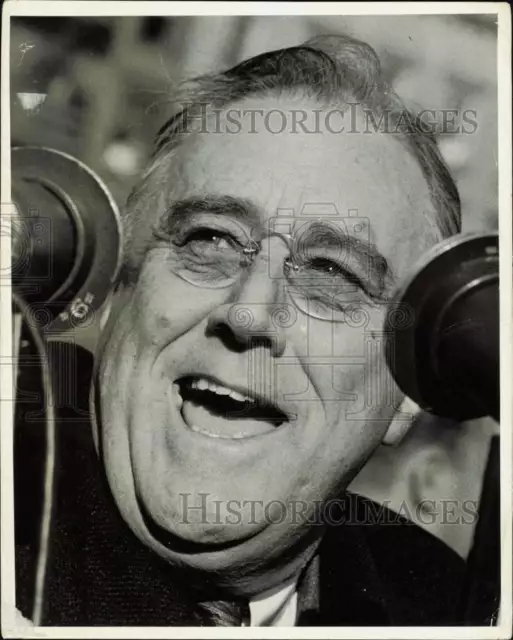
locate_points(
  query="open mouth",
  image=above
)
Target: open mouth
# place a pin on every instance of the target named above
(212, 409)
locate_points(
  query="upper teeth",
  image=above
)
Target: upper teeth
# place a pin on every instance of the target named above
(203, 384)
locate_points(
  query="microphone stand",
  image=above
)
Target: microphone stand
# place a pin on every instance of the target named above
(447, 361)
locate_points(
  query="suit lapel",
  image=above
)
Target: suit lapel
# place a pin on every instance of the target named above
(341, 586)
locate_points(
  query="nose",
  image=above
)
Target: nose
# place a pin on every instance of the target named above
(254, 315)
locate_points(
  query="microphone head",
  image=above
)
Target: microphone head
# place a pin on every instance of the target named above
(65, 237)
(445, 356)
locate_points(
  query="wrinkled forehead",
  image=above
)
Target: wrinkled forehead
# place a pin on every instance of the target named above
(292, 157)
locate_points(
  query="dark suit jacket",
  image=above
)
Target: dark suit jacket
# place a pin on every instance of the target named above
(379, 569)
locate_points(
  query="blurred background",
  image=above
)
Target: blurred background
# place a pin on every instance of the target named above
(98, 88)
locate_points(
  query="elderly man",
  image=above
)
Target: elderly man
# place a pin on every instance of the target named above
(240, 381)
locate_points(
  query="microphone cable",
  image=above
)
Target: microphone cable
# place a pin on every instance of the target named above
(49, 472)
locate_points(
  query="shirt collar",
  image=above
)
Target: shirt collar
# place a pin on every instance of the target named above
(275, 607)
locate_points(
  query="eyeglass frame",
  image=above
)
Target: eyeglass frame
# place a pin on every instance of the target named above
(251, 251)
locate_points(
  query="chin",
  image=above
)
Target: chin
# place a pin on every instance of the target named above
(177, 529)
(247, 561)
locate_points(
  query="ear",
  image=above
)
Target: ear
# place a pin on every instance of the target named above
(401, 422)
(431, 476)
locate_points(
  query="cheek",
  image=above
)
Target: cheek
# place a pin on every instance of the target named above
(166, 306)
(353, 379)
(114, 379)
(358, 397)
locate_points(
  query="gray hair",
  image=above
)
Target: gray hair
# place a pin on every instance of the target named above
(328, 69)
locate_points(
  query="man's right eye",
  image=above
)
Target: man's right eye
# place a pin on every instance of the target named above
(209, 239)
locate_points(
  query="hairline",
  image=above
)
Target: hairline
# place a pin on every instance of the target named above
(339, 79)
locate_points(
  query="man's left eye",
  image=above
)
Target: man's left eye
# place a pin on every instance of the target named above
(331, 273)
(326, 266)
(331, 270)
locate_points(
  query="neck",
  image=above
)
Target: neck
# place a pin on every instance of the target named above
(252, 581)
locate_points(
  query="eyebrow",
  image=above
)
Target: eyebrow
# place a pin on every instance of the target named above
(248, 212)
(240, 209)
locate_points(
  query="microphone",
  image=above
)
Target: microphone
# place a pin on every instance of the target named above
(65, 258)
(445, 357)
(65, 237)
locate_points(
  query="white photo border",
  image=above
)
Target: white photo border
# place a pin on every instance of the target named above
(12, 626)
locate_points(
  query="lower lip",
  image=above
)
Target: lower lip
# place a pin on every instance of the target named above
(217, 436)
(177, 401)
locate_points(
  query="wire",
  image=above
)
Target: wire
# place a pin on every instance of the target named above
(49, 477)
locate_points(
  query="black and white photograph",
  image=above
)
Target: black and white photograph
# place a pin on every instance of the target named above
(255, 354)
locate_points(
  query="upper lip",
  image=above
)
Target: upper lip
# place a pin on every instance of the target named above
(259, 398)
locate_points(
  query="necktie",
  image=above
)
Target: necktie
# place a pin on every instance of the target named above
(228, 613)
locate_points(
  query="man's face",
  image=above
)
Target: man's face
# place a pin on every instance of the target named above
(186, 335)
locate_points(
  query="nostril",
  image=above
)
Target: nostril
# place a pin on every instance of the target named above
(227, 337)
(239, 342)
